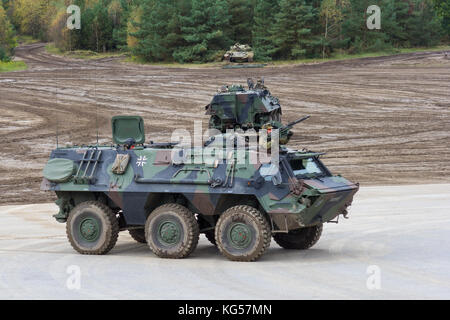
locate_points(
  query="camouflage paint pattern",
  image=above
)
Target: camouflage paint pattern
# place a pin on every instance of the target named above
(208, 188)
(235, 107)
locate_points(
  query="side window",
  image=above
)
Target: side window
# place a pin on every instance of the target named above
(305, 166)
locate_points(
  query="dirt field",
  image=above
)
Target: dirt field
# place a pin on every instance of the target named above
(382, 120)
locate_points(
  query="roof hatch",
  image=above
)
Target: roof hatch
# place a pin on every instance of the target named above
(125, 127)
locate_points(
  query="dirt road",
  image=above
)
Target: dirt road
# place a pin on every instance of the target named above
(388, 249)
(382, 120)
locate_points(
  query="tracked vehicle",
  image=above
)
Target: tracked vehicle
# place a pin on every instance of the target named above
(165, 196)
(239, 53)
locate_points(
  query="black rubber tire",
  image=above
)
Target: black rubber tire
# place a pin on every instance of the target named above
(106, 220)
(210, 235)
(181, 216)
(255, 221)
(138, 235)
(300, 239)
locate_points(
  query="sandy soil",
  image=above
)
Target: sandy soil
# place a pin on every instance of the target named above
(382, 120)
(387, 234)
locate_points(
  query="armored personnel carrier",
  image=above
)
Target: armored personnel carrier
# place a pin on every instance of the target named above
(235, 107)
(239, 53)
(165, 196)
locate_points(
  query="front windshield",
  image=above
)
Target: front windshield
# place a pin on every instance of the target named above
(306, 167)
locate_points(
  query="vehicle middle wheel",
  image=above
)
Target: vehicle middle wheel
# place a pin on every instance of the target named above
(138, 235)
(243, 233)
(92, 228)
(172, 231)
(210, 235)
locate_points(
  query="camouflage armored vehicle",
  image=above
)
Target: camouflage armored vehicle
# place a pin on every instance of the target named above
(239, 53)
(165, 198)
(234, 107)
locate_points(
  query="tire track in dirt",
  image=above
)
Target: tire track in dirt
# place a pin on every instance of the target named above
(383, 120)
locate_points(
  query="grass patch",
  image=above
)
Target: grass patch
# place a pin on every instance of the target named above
(12, 66)
(334, 57)
(83, 54)
(137, 60)
(53, 50)
(87, 54)
(24, 40)
(346, 56)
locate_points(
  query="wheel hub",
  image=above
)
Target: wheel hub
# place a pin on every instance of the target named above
(89, 229)
(169, 232)
(240, 235)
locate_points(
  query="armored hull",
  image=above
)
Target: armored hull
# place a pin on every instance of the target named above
(203, 187)
(166, 195)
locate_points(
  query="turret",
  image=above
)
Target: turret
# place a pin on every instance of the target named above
(234, 107)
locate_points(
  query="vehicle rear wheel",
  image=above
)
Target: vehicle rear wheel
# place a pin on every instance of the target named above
(138, 235)
(92, 228)
(242, 233)
(300, 239)
(172, 231)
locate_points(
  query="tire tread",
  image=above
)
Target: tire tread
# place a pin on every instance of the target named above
(112, 222)
(303, 242)
(266, 232)
(193, 232)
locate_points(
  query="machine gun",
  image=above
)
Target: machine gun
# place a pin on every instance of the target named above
(285, 129)
(285, 132)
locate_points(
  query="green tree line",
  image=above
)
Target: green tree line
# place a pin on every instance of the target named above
(202, 30)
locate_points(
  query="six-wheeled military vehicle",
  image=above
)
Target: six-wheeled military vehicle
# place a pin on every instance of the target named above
(239, 53)
(165, 195)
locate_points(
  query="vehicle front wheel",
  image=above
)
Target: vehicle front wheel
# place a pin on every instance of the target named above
(92, 228)
(300, 239)
(172, 231)
(242, 233)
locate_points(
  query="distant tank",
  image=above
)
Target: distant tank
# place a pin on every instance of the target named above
(234, 107)
(239, 53)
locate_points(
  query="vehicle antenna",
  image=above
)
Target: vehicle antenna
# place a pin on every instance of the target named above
(96, 104)
(57, 129)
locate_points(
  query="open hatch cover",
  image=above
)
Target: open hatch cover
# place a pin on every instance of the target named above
(125, 127)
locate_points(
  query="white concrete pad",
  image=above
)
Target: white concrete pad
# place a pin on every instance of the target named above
(401, 233)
